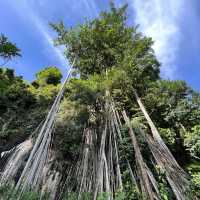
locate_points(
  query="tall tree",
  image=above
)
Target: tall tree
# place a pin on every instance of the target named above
(8, 50)
(108, 43)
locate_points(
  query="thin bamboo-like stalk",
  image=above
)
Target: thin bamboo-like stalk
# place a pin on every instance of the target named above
(176, 176)
(30, 176)
(145, 183)
(117, 125)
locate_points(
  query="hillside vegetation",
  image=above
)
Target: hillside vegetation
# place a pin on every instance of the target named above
(113, 63)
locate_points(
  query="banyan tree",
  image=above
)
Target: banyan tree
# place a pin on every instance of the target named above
(113, 149)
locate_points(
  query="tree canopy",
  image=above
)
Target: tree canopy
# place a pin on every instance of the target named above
(8, 50)
(107, 43)
(115, 68)
(49, 75)
(110, 55)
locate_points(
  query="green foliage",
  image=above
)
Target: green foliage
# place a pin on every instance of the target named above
(125, 146)
(8, 50)
(13, 89)
(70, 196)
(193, 166)
(86, 91)
(110, 56)
(192, 141)
(49, 75)
(168, 136)
(46, 86)
(85, 196)
(107, 43)
(195, 186)
(7, 192)
(174, 108)
(130, 192)
(103, 196)
(105, 35)
(70, 124)
(15, 98)
(22, 107)
(165, 192)
(120, 195)
(168, 100)
(194, 189)
(45, 94)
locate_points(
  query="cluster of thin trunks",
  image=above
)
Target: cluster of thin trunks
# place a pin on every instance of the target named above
(98, 168)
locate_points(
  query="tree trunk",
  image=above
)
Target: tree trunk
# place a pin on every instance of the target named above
(139, 159)
(176, 176)
(153, 128)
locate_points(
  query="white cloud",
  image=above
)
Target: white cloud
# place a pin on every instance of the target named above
(42, 28)
(159, 19)
(91, 7)
(49, 40)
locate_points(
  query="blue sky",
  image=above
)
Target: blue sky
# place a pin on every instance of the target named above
(173, 24)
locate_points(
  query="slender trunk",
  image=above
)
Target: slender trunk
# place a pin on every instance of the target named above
(99, 179)
(176, 176)
(35, 165)
(116, 125)
(106, 178)
(180, 149)
(145, 180)
(153, 128)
